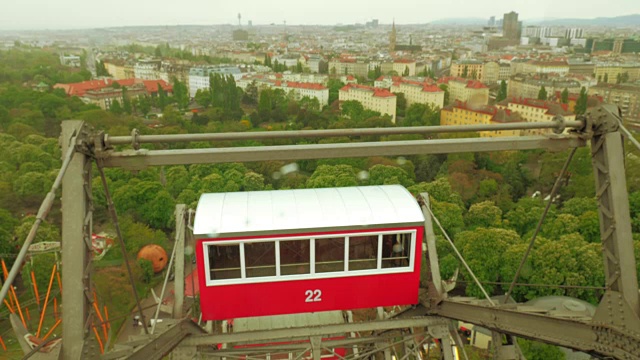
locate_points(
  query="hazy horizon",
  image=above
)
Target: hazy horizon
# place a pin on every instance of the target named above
(77, 14)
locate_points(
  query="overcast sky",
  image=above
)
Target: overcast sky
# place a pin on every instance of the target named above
(73, 14)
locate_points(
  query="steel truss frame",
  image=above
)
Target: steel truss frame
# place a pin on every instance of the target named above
(613, 331)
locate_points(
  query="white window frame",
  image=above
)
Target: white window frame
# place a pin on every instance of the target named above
(312, 275)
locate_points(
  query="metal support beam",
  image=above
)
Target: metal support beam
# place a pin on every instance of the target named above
(164, 343)
(255, 336)
(140, 159)
(568, 332)
(136, 139)
(442, 332)
(178, 284)
(76, 189)
(432, 252)
(615, 224)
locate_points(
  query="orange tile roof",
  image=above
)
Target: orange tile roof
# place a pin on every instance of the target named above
(152, 86)
(300, 85)
(427, 86)
(404, 61)
(378, 92)
(79, 89)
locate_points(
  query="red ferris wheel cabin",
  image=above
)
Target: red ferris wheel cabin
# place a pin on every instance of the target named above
(296, 251)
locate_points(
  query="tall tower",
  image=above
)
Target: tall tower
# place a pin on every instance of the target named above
(392, 37)
(239, 19)
(510, 27)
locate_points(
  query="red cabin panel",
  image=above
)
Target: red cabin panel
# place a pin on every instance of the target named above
(347, 291)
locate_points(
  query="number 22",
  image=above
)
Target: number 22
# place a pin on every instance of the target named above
(313, 295)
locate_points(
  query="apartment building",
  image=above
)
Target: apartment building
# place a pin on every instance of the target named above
(470, 67)
(376, 99)
(300, 90)
(349, 67)
(460, 113)
(626, 96)
(199, 76)
(147, 69)
(528, 86)
(533, 110)
(609, 72)
(472, 92)
(545, 67)
(416, 92)
(400, 67)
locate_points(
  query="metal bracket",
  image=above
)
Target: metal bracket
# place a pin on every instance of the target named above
(614, 311)
(603, 119)
(560, 120)
(135, 139)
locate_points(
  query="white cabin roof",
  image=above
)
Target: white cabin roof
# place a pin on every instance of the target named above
(290, 211)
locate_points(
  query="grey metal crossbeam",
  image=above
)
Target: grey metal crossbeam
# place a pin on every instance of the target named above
(258, 336)
(137, 139)
(140, 159)
(563, 331)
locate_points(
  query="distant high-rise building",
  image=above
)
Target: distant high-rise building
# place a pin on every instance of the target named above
(492, 21)
(250, 23)
(573, 33)
(536, 31)
(372, 23)
(510, 26)
(240, 35)
(392, 37)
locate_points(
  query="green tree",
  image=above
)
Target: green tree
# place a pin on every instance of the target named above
(333, 176)
(387, 175)
(533, 350)
(101, 70)
(624, 77)
(502, 92)
(126, 101)
(581, 104)
(162, 97)
(465, 71)
(253, 181)
(445, 88)
(606, 77)
(421, 115)
(146, 270)
(474, 74)
(579, 205)
(265, 105)
(180, 94)
(406, 71)
(334, 86)
(564, 97)
(299, 68)
(144, 105)
(484, 214)
(401, 104)
(484, 249)
(250, 95)
(203, 98)
(542, 94)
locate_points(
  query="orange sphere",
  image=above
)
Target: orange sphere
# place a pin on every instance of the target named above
(155, 254)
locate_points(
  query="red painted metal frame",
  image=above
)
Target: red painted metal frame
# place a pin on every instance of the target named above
(222, 302)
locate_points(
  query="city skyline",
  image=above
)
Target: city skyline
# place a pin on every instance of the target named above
(76, 14)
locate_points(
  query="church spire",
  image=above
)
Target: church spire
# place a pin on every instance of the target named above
(392, 37)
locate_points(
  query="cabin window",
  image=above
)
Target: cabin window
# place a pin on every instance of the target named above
(294, 257)
(260, 259)
(395, 250)
(329, 254)
(224, 261)
(363, 252)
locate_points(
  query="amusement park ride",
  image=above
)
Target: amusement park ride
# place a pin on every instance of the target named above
(323, 250)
